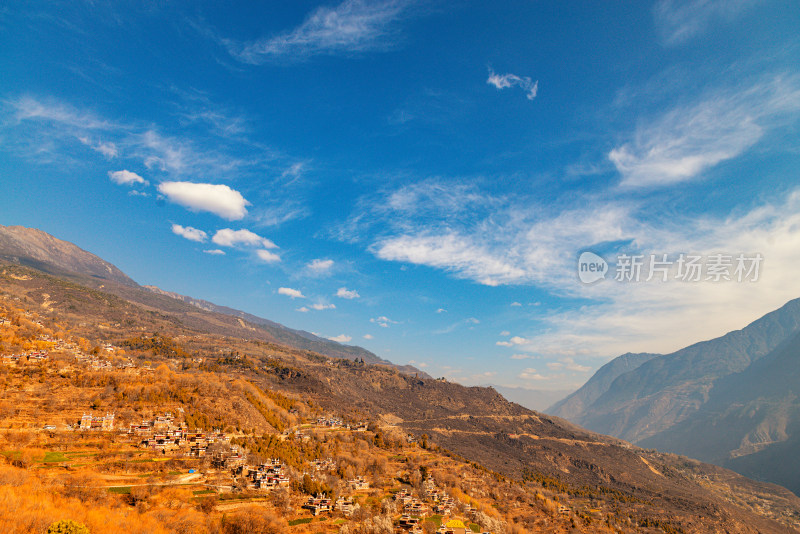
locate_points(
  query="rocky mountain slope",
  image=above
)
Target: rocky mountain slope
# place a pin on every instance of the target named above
(34, 248)
(751, 422)
(39, 250)
(729, 400)
(574, 404)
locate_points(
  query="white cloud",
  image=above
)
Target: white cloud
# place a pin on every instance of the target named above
(228, 237)
(368, 336)
(678, 21)
(515, 304)
(452, 252)
(218, 199)
(516, 340)
(341, 338)
(344, 293)
(521, 357)
(689, 139)
(352, 26)
(126, 178)
(441, 310)
(383, 321)
(303, 309)
(663, 317)
(192, 234)
(215, 252)
(504, 81)
(134, 193)
(267, 256)
(109, 150)
(505, 333)
(289, 292)
(319, 266)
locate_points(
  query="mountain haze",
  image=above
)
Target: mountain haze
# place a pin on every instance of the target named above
(730, 400)
(575, 403)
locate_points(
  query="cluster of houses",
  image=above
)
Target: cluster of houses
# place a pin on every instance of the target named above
(318, 504)
(163, 434)
(267, 476)
(332, 422)
(94, 422)
(358, 483)
(328, 464)
(435, 501)
(27, 356)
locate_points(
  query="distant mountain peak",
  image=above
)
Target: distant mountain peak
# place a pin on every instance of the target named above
(34, 248)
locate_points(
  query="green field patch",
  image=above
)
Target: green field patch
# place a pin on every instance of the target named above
(301, 521)
(120, 490)
(436, 519)
(474, 527)
(204, 492)
(55, 456)
(79, 454)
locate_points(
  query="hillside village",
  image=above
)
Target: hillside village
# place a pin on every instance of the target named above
(339, 493)
(123, 420)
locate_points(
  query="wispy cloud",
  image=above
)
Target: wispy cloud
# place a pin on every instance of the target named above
(469, 322)
(215, 252)
(344, 293)
(192, 234)
(689, 139)
(505, 81)
(108, 149)
(678, 21)
(451, 252)
(663, 317)
(341, 338)
(48, 125)
(126, 178)
(351, 27)
(29, 108)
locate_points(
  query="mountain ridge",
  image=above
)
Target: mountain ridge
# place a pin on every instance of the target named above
(701, 400)
(37, 249)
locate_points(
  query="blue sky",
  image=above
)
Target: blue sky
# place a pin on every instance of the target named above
(419, 177)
